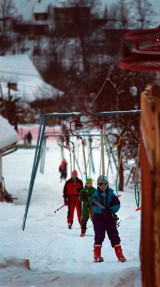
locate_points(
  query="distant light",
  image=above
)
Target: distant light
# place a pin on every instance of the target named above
(158, 40)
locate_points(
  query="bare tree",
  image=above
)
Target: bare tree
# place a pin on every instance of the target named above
(143, 13)
(86, 9)
(136, 14)
(118, 15)
(7, 13)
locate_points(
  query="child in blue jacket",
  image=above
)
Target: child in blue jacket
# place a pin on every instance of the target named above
(105, 204)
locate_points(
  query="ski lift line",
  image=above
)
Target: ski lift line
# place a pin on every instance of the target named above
(78, 167)
(102, 150)
(89, 157)
(136, 171)
(107, 77)
(111, 151)
(119, 164)
(98, 114)
(70, 158)
(81, 135)
(90, 162)
(102, 140)
(88, 112)
(101, 133)
(83, 148)
(136, 178)
(109, 158)
(43, 119)
(73, 151)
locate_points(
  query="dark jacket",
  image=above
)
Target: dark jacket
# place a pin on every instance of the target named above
(109, 200)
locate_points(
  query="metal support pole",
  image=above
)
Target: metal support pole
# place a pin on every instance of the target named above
(35, 165)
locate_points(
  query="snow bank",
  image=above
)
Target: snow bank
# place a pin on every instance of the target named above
(8, 134)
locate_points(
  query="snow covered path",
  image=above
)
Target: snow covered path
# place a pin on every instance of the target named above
(59, 256)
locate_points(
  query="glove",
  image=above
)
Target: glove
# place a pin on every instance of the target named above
(116, 218)
(106, 213)
(66, 201)
(84, 197)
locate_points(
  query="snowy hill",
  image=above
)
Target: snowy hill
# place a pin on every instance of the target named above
(59, 256)
(20, 69)
(8, 134)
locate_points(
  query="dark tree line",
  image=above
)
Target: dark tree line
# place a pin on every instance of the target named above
(84, 59)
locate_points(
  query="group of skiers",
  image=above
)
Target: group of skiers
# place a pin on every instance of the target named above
(100, 205)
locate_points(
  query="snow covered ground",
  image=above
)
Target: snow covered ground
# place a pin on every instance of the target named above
(59, 256)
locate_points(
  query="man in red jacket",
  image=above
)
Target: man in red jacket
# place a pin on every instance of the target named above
(71, 190)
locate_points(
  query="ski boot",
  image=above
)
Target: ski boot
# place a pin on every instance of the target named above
(83, 229)
(119, 254)
(97, 253)
(69, 225)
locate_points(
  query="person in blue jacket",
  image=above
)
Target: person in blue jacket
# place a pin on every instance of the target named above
(105, 204)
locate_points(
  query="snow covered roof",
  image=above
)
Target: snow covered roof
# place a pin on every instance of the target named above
(9, 135)
(20, 69)
(40, 7)
(26, 8)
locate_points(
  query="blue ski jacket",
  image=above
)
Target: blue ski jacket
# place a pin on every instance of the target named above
(109, 200)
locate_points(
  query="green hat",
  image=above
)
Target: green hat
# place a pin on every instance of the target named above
(89, 180)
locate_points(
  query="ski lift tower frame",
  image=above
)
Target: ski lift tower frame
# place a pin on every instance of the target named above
(41, 137)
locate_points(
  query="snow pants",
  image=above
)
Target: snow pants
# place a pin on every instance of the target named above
(72, 205)
(105, 223)
(85, 212)
(63, 175)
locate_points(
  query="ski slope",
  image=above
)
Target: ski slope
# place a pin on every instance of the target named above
(59, 256)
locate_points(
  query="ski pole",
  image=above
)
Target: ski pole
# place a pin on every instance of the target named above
(59, 208)
(99, 204)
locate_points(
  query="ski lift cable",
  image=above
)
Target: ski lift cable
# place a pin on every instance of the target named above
(70, 157)
(136, 179)
(73, 151)
(101, 88)
(93, 115)
(78, 165)
(119, 164)
(105, 80)
(83, 144)
(102, 141)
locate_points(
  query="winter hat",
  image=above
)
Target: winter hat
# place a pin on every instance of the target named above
(102, 178)
(89, 180)
(74, 173)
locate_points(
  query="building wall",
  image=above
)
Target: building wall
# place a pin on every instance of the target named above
(150, 177)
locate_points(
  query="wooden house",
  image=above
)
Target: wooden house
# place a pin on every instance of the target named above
(37, 25)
